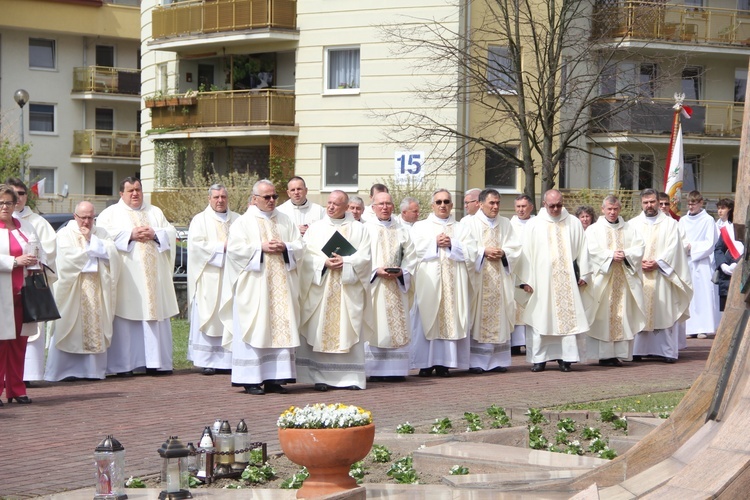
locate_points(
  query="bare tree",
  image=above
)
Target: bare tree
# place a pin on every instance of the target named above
(532, 72)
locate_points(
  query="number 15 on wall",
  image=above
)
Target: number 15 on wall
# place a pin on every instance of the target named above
(409, 165)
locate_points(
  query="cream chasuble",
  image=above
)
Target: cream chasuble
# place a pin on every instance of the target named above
(614, 298)
(86, 290)
(493, 307)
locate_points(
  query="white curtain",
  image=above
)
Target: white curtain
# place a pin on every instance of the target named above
(343, 69)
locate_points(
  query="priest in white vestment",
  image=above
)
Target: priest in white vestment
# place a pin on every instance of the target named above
(298, 208)
(667, 287)
(207, 245)
(33, 368)
(440, 316)
(336, 306)
(142, 333)
(492, 252)
(408, 212)
(394, 262)
(88, 267)
(524, 208)
(701, 235)
(555, 268)
(471, 203)
(368, 212)
(614, 298)
(260, 296)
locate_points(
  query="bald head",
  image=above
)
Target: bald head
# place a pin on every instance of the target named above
(84, 215)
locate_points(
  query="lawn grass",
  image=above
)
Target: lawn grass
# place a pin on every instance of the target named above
(180, 331)
(658, 403)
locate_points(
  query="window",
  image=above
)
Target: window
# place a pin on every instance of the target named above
(499, 172)
(105, 119)
(205, 76)
(691, 82)
(501, 70)
(740, 84)
(41, 53)
(562, 171)
(104, 181)
(691, 173)
(41, 117)
(342, 72)
(636, 172)
(341, 165)
(37, 174)
(105, 56)
(162, 79)
(647, 79)
(628, 79)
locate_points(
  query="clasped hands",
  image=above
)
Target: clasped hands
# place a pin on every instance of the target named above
(273, 246)
(141, 234)
(494, 253)
(649, 265)
(443, 240)
(336, 261)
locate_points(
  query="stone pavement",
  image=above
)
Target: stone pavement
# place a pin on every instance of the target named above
(47, 447)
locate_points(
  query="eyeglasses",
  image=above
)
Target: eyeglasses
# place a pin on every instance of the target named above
(83, 218)
(470, 201)
(6, 204)
(384, 204)
(21, 193)
(267, 197)
(554, 206)
(442, 202)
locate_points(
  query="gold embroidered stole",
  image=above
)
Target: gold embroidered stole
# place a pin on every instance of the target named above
(222, 229)
(276, 280)
(149, 255)
(650, 236)
(493, 299)
(91, 307)
(619, 286)
(332, 305)
(446, 323)
(389, 248)
(562, 280)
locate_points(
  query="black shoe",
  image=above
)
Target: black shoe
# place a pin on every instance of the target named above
(670, 360)
(637, 359)
(208, 371)
(499, 369)
(1, 403)
(538, 367)
(125, 374)
(515, 350)
(425, 372)
(277, 388)
(154, 372)
(321, 387)
(442, 371)
(377, 379)
(254, 389)
(616, 362)
(354, 388)
(394, 378)
(564, 366)
(21, 400)
(477, 371)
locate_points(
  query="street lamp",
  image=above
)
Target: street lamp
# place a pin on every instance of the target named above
(22, 97)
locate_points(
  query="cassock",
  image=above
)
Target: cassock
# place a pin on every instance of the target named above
(614, 296)
(34, 364)
(702, 234)
(307, 213)
(387, 351)
(207, 236)
(260, 298)
(85, 292)
(666, 291)
(142, 333)
(336, 307)
(518, 337)
(552, 249)
(492, 310)
(440, 316)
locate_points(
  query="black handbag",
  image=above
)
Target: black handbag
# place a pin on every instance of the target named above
(36, 297)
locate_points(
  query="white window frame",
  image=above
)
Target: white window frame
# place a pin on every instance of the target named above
(54, 119)
(343, 187)
(54, 54)
(50, 188)
(499, 51)
(326, 65)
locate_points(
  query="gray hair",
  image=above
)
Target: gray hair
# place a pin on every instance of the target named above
(442, 190)
(261, 182)
(216, 187)
(476, 191)
(356, 199)
(649, 192)
(611, 199)
(406, 202)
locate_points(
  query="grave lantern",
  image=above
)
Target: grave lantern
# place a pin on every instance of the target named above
(174, 470)
(109, 458)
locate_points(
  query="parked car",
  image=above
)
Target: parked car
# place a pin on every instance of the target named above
(181, 255)
(57, 220)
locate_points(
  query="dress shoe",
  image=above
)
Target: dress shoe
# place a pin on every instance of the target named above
(616, 362)
(354, 388)
(277, 388)
(670, 360)
(394, 378)
(425, 372)
(21, 400)
(125, 374)
(157, 373)
(321, 387)
(516, 350)
(208, 371)
(564, 365)
(499, 369)
(254, 389)
(637, 358)
(538, 367)
(442, 371)
(377, 379)
(1, 404)
(477, 371)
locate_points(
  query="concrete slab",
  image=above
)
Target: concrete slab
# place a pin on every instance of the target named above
(510, 480)
(641, 426)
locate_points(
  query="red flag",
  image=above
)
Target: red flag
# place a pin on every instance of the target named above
(38, 188)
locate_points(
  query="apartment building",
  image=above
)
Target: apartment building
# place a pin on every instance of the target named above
(79, 62)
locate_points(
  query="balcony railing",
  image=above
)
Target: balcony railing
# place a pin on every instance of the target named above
(102, 79)
(710, 118)
(199, 17)
(636, 20)
(109, 143)
(229, 109)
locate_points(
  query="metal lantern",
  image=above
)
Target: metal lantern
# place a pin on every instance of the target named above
(174, 471)
(225, 449)
(109, 458)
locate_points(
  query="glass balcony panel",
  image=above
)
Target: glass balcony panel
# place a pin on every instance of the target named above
(107, 143)
(101, 79)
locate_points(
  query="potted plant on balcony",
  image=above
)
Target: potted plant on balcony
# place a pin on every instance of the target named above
(189, 99)
(327, 439)
(156, 100)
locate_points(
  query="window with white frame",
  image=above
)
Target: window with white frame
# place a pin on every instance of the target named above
(342, 69)
(501, 70)
(499, 171)
(42, 118)
(740, 84)
(105, 119)
(162, 79)
(41, 53)
(341, 165)
(48, 174)
(692, 83)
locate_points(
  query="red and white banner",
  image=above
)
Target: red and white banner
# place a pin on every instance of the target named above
(673, 173)
(38, 188)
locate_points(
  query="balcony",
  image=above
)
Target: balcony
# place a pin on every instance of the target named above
(654, 117)
(100, 82)
(262, 109)
(205, 23)
(649, 21)
(114, 146)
